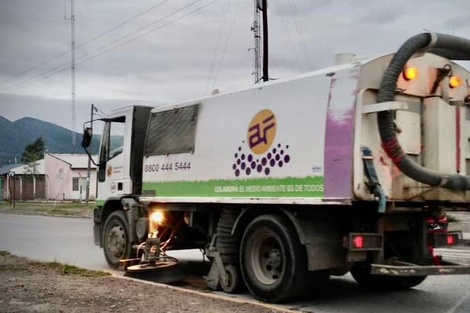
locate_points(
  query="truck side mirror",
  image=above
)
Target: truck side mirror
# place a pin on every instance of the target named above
(87, 135)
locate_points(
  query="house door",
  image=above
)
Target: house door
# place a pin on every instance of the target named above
(79, 189)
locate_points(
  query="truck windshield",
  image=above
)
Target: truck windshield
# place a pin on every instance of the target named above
(113, 139)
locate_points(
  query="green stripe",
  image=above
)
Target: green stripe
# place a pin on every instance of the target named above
(311, 187)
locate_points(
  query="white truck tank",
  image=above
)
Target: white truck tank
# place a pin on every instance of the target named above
(301, 140)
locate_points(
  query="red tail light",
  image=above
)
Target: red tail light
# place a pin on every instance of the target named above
(358, 242)
(442, 239)
(450, 240)
(363, 242)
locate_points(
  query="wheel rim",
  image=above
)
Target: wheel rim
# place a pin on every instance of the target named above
(266, 259)
(116, 242)
(230, 283)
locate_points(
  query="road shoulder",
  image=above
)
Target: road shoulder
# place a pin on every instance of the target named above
(33, 286)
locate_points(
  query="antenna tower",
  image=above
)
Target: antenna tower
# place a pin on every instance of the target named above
(72, 24)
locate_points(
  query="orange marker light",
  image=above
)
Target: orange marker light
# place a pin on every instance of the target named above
(410, 73)
(455, 82)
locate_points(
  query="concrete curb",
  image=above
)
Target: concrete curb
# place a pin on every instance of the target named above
(212, 295)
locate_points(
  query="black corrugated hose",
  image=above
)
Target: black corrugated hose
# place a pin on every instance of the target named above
(451, 47)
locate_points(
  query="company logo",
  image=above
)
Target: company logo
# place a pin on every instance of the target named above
(260, 153)
(109, 170)
(262, 131)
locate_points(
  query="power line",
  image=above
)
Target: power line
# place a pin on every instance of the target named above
(217, 68)
(83, 43)
(127, 21)
(35, 67)
(129, 37)
(55, 70)
(91, 55)
(218, 38)
(300, 33)
(289, 39)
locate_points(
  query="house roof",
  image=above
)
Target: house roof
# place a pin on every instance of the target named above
(76, 161)
(20, 169)
(7, 168)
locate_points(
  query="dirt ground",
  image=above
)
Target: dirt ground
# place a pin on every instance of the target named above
(29, 286)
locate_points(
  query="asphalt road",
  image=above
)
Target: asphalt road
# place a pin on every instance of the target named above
(67, 240)
(70, 240)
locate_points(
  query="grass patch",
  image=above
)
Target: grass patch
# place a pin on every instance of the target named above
(65, 269)
(46, 205)
(15, 263)
(48, 208)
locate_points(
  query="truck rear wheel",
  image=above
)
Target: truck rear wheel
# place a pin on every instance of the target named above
(116, 244)
(273, 262)
(401, 245)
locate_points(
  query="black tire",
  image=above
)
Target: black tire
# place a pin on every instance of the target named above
(116, 243)
(226, 244)
(401, 245)
(319, 280)
(233, 279)
(273, 262)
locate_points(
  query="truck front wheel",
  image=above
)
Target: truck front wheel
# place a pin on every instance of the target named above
(273, 262)
(116, 244)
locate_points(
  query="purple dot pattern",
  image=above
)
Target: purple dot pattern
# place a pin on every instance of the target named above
(248, 164)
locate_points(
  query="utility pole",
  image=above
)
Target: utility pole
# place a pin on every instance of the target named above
(72, 24)
(11, 175)
(256, 28)
(262, 5)
(87, 193)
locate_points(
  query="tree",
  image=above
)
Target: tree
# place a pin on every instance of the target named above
(33, 153)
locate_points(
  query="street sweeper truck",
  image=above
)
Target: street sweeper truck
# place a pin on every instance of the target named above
(346, 169)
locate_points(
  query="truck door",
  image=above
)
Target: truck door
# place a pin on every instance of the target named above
(121, 152)
(113, 170)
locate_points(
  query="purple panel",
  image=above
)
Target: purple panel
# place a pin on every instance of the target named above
(339, 137)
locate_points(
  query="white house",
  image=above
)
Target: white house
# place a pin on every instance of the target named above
(67, 176)
(57, 177)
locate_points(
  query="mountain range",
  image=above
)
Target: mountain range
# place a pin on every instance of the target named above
(15, 136)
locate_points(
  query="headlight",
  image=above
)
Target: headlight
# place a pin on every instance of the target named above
(157, 217)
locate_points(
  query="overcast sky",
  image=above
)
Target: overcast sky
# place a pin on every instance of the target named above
(154, 52)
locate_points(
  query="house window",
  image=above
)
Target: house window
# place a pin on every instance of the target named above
(75, 181)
